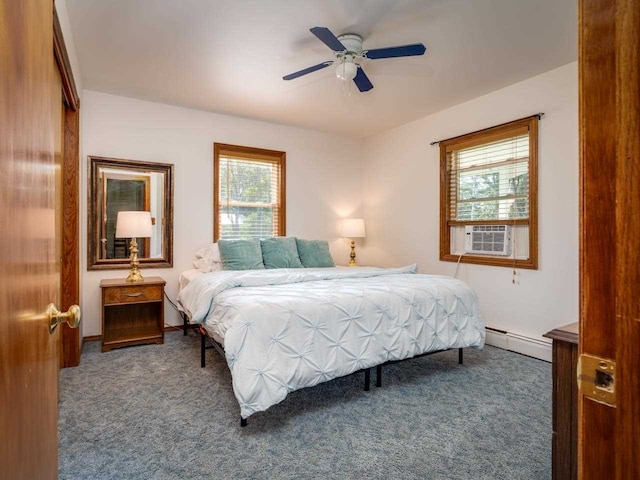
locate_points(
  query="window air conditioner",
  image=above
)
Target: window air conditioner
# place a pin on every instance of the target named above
(488, 239)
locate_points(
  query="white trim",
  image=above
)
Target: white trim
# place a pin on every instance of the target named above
(497, 339)
(540, 348)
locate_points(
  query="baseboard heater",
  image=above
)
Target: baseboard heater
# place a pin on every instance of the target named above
(518, 343)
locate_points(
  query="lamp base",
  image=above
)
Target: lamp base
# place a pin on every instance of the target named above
(135, 276)
(352, 262)
(134, 273)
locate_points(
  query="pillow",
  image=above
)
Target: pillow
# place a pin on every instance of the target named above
(241, 254)
(280, 252)
(208, 258)
(205, 267)
(314, 253)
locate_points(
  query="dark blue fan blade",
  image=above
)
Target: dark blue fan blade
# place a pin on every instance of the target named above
(362, 81)
(328, 38)
(320, 66)
(404, 51)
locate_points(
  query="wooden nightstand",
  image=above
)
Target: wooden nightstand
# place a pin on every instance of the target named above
(564, 457)
(132, 313)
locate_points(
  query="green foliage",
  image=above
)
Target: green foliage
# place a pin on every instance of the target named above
(247, 222)
(249, 182)
(478, 187)
(519, 186)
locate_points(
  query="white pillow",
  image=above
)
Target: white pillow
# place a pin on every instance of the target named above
(210, 252)
(205, 267)
(208, 259)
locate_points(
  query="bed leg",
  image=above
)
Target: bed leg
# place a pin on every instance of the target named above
(367, 379)
(202, 350)
(460, 356)
(379, 376)
(243, 422)
(184, 324)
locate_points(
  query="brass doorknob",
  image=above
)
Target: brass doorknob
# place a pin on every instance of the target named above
(56, 317)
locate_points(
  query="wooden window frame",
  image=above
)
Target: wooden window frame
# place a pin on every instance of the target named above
(250, 153)
(445, 211)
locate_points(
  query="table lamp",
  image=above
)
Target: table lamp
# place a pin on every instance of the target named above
(133, 225)
(353, 228)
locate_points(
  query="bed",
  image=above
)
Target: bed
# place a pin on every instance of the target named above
(286, 329)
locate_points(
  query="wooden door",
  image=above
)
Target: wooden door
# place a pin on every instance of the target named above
(609, 62)
(30, 106)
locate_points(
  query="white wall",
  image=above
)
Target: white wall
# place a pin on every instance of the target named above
(394, 175)
(401, 186)
(323, 177)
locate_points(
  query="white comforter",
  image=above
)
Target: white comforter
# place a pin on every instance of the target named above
(288, 329)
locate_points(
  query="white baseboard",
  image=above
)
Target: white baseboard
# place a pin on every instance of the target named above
(514, 342)
(497, 339)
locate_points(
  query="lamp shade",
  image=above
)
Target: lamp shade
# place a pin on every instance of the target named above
(133, 225)
(353, 228)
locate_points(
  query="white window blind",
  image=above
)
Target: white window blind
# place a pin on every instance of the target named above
(490, 180)
(248, 197)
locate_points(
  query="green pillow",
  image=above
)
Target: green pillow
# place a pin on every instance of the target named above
(314, 253)
(280, 252)
(241, 254)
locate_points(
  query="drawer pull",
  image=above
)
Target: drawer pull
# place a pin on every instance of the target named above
(133, 294)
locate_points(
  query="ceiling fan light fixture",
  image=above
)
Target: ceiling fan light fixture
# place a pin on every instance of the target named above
(346, 49)
(346, 71)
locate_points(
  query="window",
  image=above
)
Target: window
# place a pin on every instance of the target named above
(249, 192)
(490, 178)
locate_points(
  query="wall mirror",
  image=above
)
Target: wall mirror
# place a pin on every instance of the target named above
(127, 185)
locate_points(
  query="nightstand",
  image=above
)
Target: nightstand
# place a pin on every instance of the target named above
(564, 448)
(132, 313)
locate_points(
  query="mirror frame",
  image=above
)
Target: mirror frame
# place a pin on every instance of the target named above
(93, 218)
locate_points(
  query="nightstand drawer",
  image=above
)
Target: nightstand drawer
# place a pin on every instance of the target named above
(132, 294)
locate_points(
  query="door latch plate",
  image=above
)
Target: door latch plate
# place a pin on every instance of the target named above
(596, 378)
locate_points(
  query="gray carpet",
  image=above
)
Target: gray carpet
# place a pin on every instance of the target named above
(150, 412)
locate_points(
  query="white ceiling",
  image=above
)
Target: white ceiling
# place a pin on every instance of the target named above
(229, 56)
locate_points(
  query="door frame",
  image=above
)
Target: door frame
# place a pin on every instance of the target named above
(609, 99)
(70, 338)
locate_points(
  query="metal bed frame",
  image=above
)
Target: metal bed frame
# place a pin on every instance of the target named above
(367, 371)
(185, 323)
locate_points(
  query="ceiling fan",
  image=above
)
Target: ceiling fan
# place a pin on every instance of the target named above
(348, 50)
